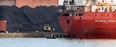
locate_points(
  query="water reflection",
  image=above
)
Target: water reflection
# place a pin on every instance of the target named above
(43, 42)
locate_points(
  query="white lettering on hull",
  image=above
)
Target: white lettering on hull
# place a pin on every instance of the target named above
(105, 21)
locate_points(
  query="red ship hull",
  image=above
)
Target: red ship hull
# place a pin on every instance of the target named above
(92, 25)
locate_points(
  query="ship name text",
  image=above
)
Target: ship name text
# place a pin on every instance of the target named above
(105, 21)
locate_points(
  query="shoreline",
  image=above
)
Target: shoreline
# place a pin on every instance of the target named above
(28, 35)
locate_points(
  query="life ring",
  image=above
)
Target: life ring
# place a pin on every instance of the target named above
(47, 28)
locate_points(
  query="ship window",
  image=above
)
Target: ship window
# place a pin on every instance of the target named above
(79, 14)
(66, 14)
(111, 0)
(102, 0)
(102, 8)
(71, 2)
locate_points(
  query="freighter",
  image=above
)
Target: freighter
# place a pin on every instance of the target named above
(89, 19)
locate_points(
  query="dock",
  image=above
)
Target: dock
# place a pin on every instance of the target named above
(31, 35)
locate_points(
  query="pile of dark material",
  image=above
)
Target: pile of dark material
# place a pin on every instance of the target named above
(26, 19)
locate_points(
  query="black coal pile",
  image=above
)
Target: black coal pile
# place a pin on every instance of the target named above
(27, 19)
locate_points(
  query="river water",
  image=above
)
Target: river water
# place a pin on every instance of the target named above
(43, 42)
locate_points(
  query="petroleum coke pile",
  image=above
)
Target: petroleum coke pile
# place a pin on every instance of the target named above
(28, 19)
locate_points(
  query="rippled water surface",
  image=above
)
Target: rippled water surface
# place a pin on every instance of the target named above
(43, 42)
